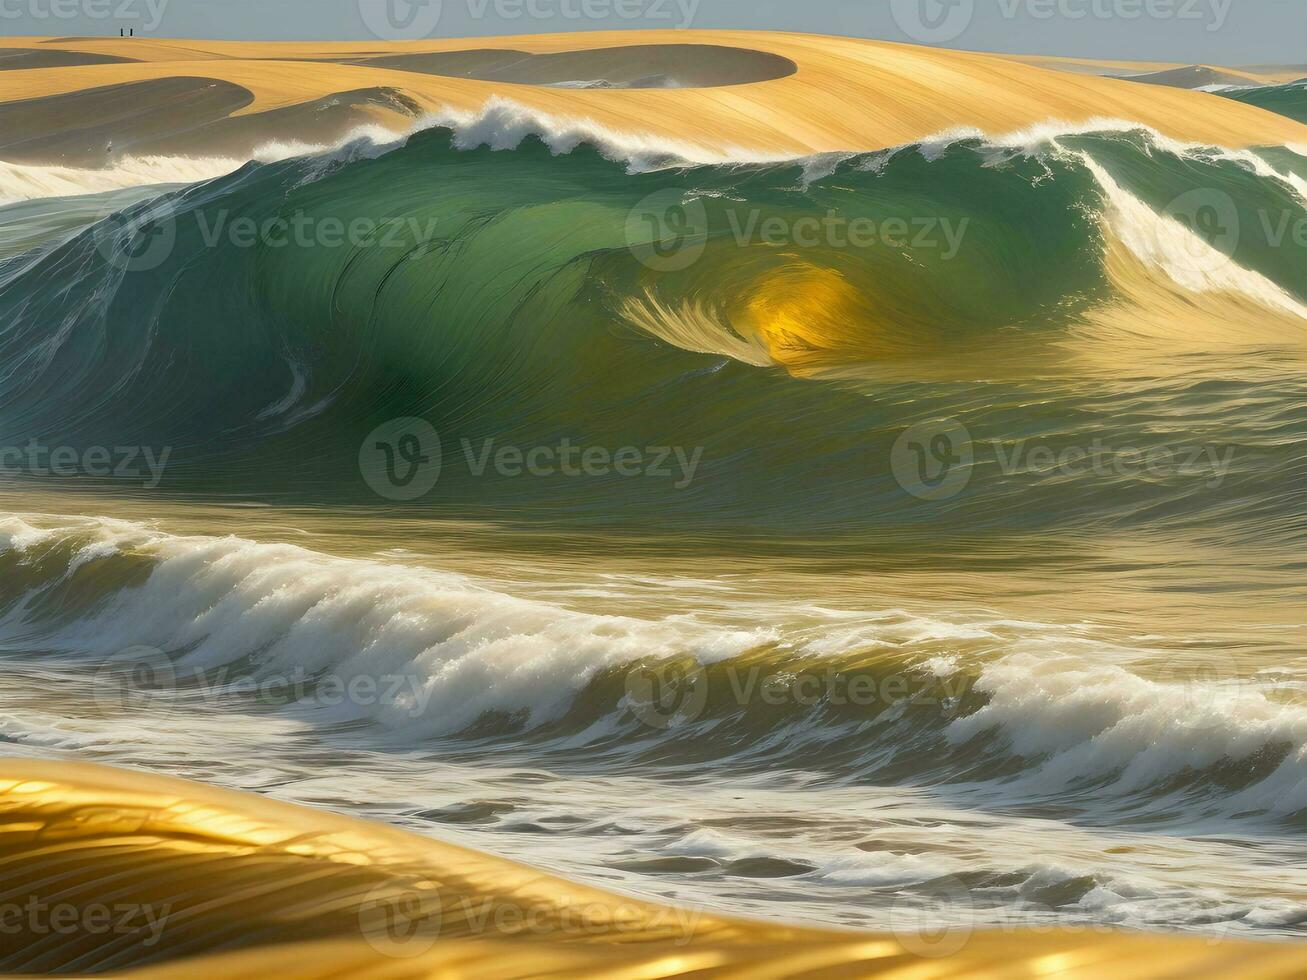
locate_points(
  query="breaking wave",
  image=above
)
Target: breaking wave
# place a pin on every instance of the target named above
(996, 710)
(589, 289)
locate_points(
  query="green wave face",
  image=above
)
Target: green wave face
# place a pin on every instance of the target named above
(1287, 100)
(755, 340)
(873, 522)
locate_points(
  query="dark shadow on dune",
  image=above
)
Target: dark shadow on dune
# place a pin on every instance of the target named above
(634, 66)
(175, 116)
(320, 122)
(88, 128)
(1190, 77)
(22, 59)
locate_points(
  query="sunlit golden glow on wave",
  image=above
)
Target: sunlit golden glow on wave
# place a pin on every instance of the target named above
(807, 316)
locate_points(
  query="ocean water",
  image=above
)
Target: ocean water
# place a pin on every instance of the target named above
(879, 538)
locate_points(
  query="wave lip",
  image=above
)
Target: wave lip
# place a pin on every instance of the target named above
(523, 285)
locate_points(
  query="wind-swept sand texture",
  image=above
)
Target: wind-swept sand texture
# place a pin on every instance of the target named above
(846, 94)
(236, 885)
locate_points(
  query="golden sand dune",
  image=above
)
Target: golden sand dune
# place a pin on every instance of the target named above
(845, 94)
(109, 870)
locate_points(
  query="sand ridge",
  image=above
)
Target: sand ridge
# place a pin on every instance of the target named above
(846, 94)
(240, 885)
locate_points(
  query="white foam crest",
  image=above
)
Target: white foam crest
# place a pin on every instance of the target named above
(27, 182)
(499, 124)
(502, 124)
(1039, 134)
(1084, 719)
(369, 134)
(23, 182)
(450, 649)
(460, 649)
(1030, 140)
(1165, 243)
(1296, 183)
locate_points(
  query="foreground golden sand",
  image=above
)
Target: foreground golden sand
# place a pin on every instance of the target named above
(110, 870)
(846, 94)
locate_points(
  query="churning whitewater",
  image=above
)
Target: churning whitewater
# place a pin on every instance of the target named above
(826, 494)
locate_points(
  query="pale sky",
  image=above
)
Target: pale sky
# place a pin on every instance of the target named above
(1219, 31)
